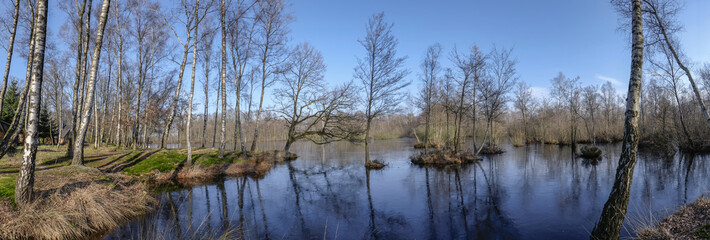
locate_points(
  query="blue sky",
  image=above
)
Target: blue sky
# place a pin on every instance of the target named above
(578, 38)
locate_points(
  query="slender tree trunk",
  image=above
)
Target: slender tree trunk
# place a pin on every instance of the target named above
(77, 80)
(106, 99)
(15, 17)
(614, 211)
(192, 87)
(205, 114)
(78, 158)
(223, 79)
(473, 118)
(680, 117)
(82, 72)
(25, 179)
(59, 113)
(181, 73)
(96, 120)
(525, 127)
(682, 66)
(19, 120)
(119, 91)
(216, 113)
(426, 120)
(367, 141)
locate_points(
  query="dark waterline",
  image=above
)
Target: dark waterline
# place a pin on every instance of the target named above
(534, 192)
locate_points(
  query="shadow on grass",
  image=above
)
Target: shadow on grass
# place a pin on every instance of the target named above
(114, 160)
(130, 162)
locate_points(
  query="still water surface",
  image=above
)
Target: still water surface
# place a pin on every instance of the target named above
(533, 192)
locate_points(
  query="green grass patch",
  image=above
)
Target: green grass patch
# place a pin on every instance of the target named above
(7, 187)
(210, 159)
(163, 161)
(703, 231)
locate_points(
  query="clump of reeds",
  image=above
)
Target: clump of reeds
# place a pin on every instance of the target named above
(590, 152)
(489, 149)
(252, 168)
(421, 145)
(443, 157)
(375, 164)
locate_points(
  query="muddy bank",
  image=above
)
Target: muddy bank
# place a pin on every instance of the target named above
(254, 165)
(690, 222)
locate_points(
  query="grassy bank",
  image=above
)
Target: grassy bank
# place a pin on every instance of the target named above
(113, 187)
(690, 222)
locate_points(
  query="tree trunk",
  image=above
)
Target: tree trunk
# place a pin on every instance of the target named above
(96, 118)
(216, 113)
(223, 76)
(367, 141)
(614, 211)
(181, 73)
(15, 17)
(192, 87)
(698, 95)
(205, 114)
(680, 117)
(77, 80)
(25, 179)
(119, 91)
(18, 120)
(78, 158)
(59, 113)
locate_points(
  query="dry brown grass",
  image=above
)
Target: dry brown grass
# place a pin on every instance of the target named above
(73, 203)
(375, 164)
(249, 168)
(684, 224)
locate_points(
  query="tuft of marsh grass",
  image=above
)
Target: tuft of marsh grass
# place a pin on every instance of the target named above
(75, 202)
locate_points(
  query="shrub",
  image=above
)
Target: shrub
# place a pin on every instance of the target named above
(590, 152)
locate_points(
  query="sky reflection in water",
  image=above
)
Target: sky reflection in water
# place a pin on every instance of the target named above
(534, 192)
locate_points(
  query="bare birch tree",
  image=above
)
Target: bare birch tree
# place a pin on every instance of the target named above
(25, 179)
(381, 73)
(524, 101)
(241, 41)
(223, 78)
(430, 74)
(663, 26)
(11, 44)
(303, 87)
(272, 28)
(614, 211)
(78, 156)
(118, 11)
(198, 19)
(191, 22)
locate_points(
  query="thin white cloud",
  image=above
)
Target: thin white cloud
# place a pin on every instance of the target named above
(540, 92)
(608, 79)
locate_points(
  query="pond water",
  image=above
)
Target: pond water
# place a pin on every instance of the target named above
(533, 192)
